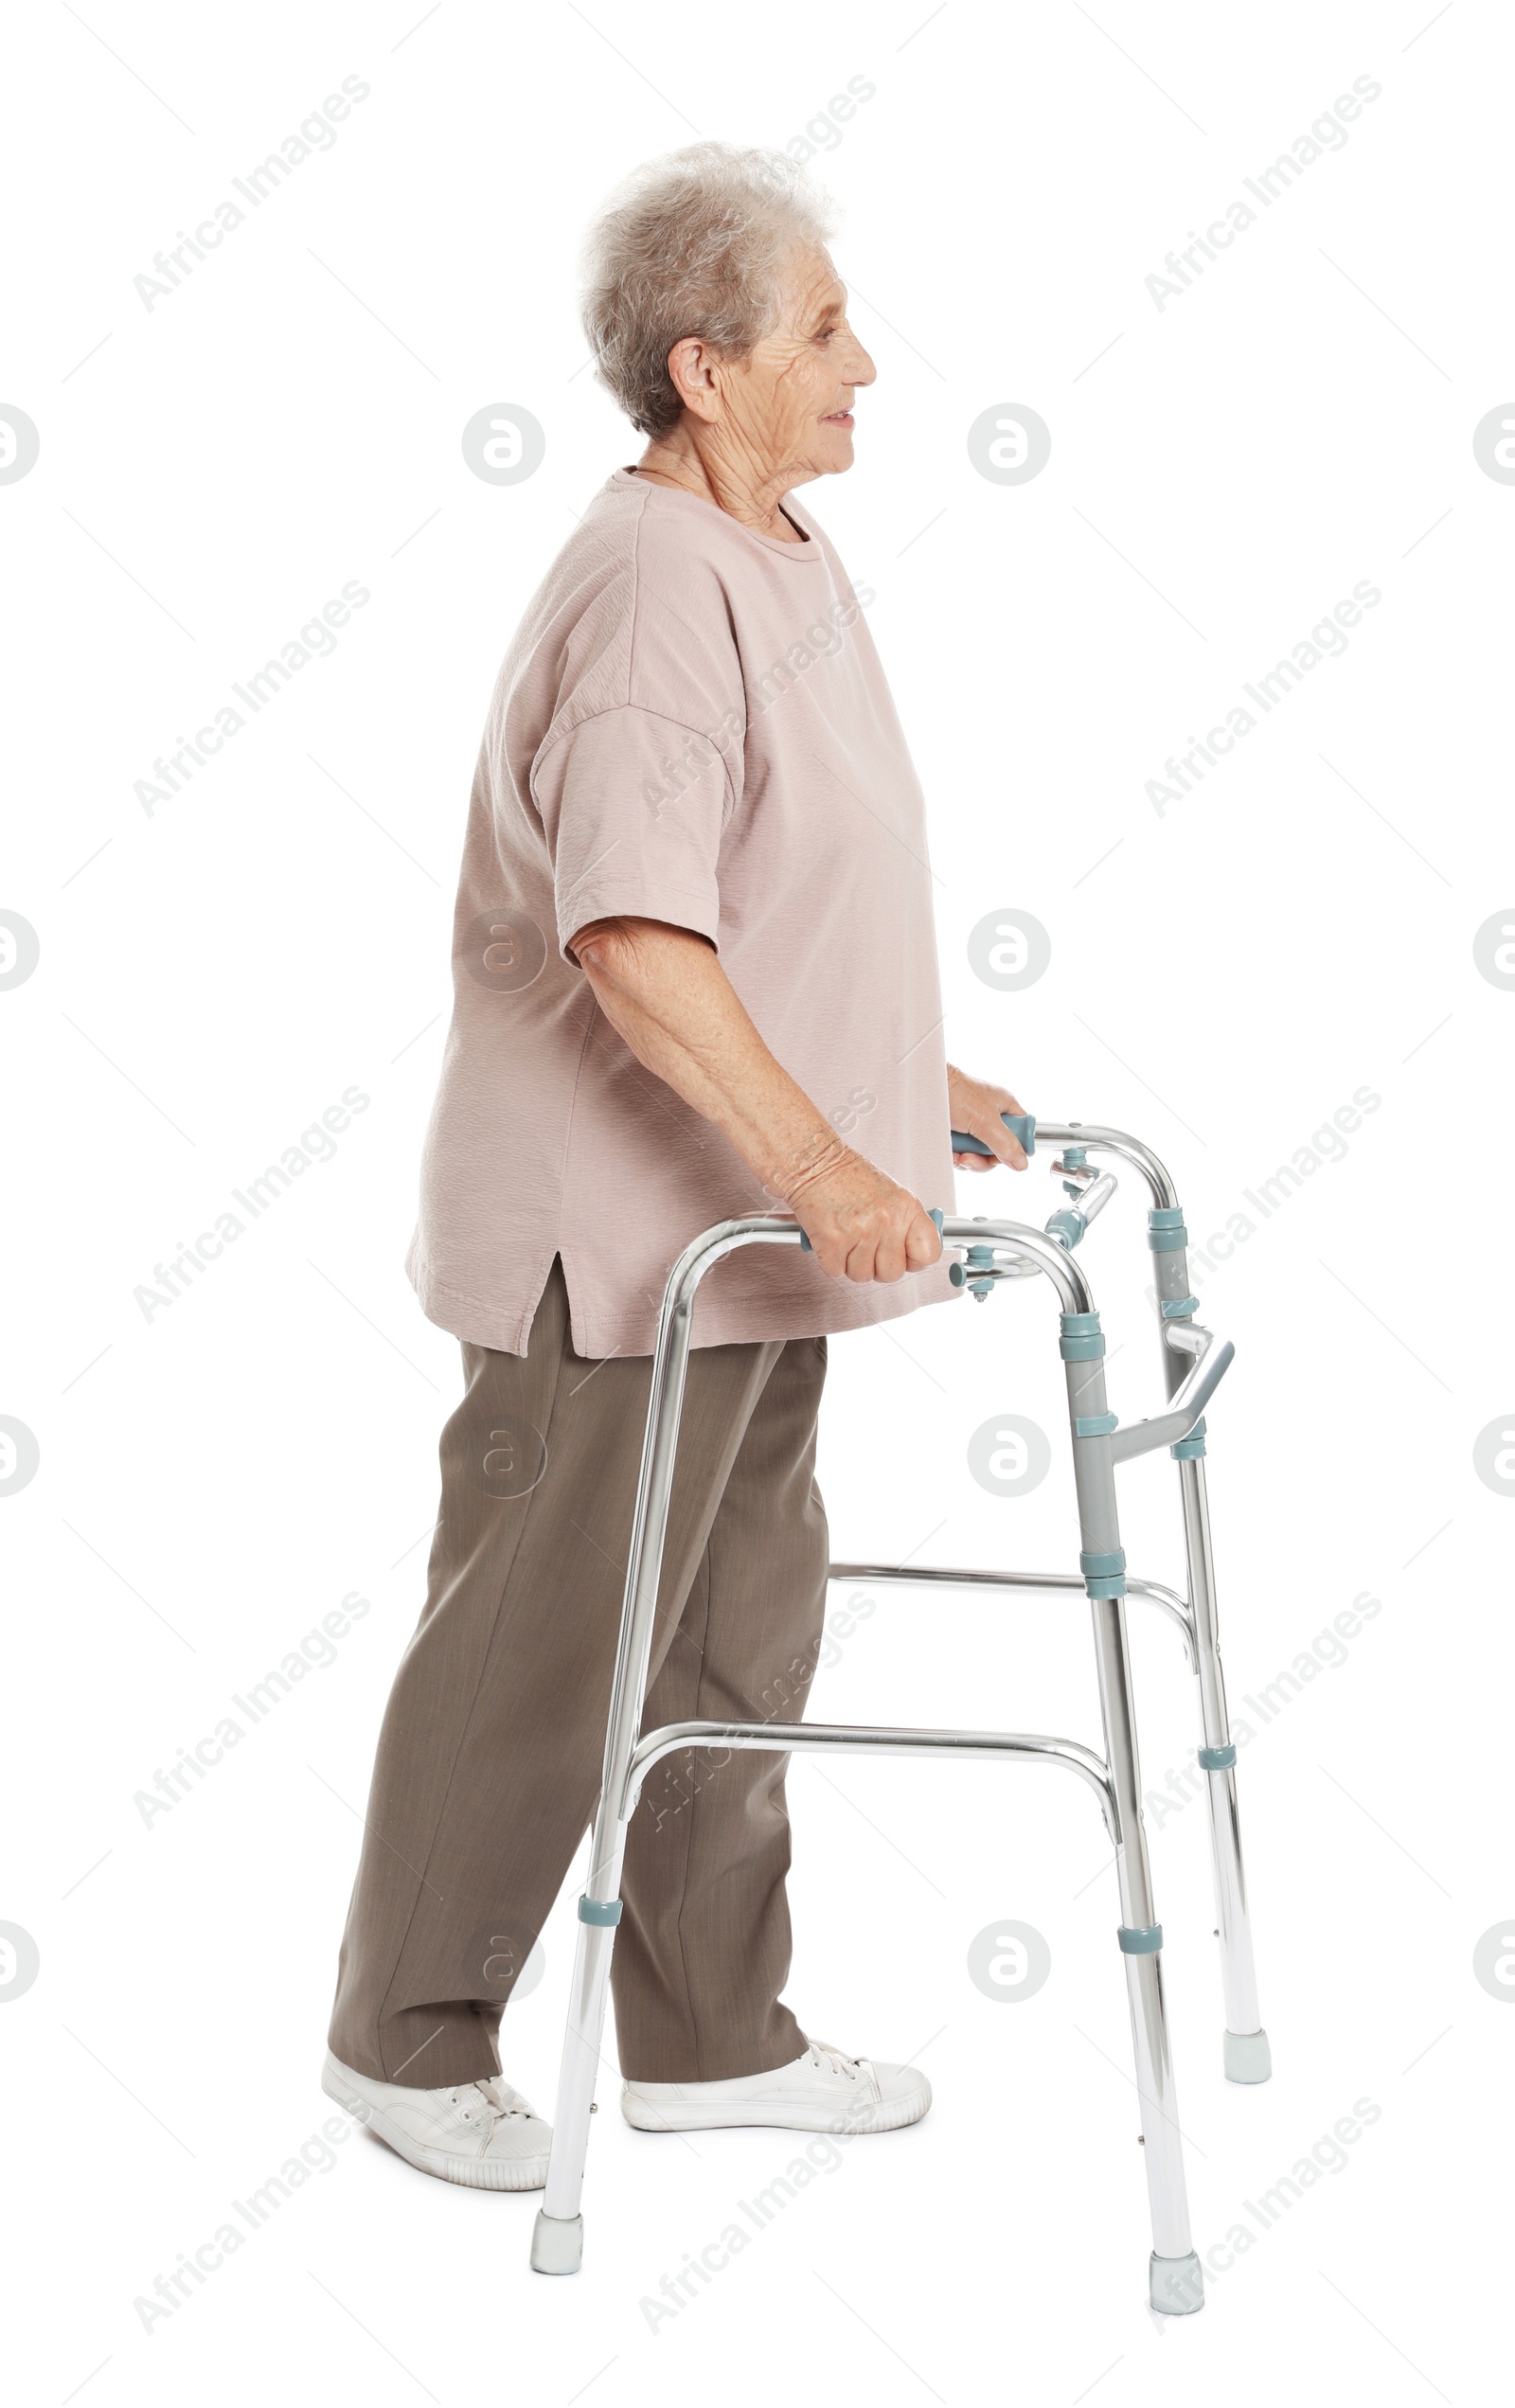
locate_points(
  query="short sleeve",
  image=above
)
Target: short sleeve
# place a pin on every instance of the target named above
(632, 806)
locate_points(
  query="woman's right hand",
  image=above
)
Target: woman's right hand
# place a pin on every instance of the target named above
(863, 1227)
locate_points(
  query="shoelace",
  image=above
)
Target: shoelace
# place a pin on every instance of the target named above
(497, 2097)
(835, 2060)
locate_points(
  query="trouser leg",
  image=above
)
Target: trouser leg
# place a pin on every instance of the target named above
(702, 1950)
(490, 1755)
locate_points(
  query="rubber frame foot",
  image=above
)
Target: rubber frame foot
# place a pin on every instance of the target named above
(1177, 2285)
(557, 2243)
(1248, 2058)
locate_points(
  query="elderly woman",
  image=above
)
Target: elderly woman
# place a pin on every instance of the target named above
(694, 976)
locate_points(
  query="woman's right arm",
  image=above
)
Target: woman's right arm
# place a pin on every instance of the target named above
(663, 990)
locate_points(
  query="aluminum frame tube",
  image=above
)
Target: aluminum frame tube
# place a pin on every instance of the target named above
(1113, 1141)
(558, 2243)
(1098, 1522)
(1150, 1592)
(861, 1739)
(1238, 1972)
(1239, 1975)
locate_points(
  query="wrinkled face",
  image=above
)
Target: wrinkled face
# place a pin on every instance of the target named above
(788, 407)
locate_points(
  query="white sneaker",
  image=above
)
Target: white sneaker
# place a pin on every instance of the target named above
(481, 2133)
(822, 2092)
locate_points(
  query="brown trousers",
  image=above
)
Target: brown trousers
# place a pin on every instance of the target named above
(490, 1756)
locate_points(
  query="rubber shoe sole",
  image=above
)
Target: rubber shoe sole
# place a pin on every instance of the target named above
(529, 2173)
(788, 2115)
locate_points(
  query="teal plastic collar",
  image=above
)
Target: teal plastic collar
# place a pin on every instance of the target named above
(1104, 1572)
(1188, 1450)
(1145, 1941)
(1082, 1340)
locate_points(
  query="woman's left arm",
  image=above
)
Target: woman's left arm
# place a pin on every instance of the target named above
(975, 1106)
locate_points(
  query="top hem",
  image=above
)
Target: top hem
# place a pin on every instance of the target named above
(716, 1322)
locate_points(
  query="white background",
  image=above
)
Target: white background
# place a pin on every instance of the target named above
(1223, 977)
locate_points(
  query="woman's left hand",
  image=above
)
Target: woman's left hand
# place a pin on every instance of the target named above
(975, 1106)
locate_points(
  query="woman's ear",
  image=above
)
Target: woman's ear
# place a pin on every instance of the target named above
(691, 366)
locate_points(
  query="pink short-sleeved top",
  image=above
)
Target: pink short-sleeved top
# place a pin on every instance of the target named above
(691, 725)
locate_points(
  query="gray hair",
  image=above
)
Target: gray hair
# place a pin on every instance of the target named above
(691, 244)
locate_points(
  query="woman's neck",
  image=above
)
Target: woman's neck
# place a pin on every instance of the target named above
(735, 487)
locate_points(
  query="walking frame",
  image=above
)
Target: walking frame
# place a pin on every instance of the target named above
(990, 1252)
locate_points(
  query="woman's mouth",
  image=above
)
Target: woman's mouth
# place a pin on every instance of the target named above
(840, 418)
